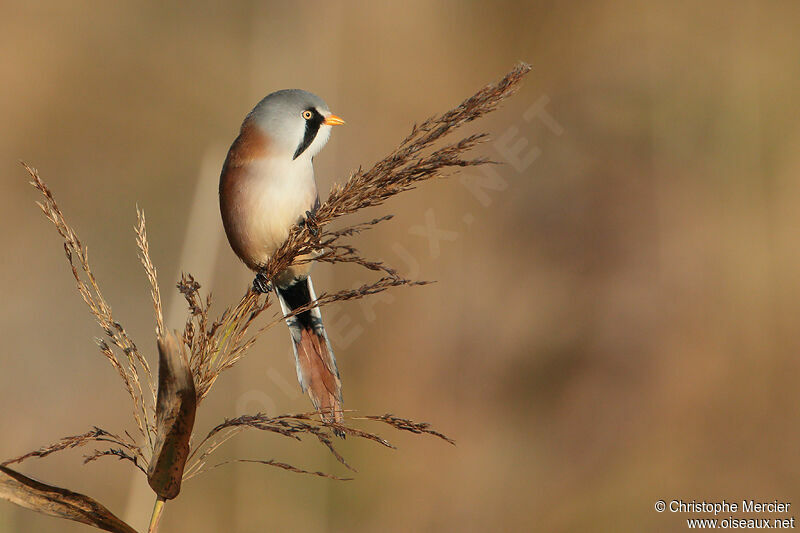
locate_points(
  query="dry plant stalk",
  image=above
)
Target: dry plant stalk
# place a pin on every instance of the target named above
(190, 365)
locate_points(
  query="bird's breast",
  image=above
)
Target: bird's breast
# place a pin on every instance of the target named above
(261, 201)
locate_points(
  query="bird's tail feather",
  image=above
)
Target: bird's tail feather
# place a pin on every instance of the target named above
(316, 364)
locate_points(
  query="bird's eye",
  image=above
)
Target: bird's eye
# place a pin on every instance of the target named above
(307, 114)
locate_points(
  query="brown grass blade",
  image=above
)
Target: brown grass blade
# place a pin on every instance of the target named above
(58, 502)
(175, 412)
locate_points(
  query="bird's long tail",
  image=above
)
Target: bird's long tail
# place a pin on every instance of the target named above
(316, 365)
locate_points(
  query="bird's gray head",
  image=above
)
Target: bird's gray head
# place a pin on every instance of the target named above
(297, 122)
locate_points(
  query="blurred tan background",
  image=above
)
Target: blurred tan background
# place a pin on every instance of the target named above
(615, 318)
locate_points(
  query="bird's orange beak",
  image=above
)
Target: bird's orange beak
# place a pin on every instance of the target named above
(333, 120)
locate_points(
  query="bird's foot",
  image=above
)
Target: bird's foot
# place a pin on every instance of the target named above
(261, 284)
(310, 223)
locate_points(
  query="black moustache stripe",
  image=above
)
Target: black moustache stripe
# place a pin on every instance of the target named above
(312, 128)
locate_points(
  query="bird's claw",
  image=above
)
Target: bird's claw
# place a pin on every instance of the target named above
(310, 223)
(261, 284)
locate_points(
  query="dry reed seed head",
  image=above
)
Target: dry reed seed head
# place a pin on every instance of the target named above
(150, 270)
(120, 454)
(399, 171)
(74, 441)
(405, 424)
(285, 466)
(128, 450)
(296, 426)
(91, 294)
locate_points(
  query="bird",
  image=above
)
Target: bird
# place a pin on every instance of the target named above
(266, 188)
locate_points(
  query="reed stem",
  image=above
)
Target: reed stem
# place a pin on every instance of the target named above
(158, 510)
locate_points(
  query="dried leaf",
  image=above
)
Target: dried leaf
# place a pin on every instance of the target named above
(175, 410)
(58, 502)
